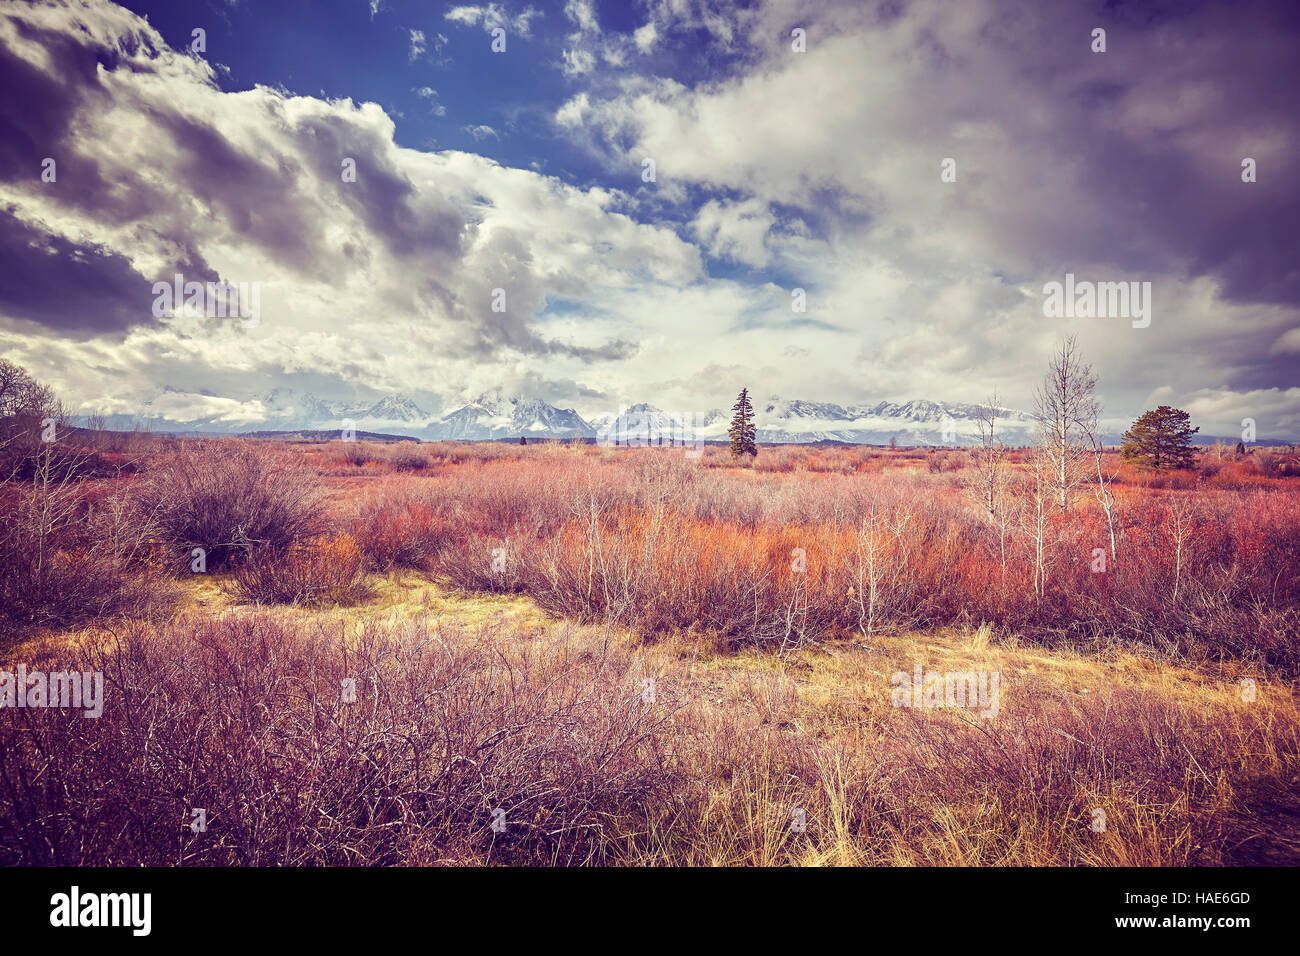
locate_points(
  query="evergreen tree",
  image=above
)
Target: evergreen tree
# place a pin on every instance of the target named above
(742, 429)
(1161, 439)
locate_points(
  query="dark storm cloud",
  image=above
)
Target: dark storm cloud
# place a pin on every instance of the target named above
(1158, 126)
(37, 114)
(38, 120)
(382, 196)
(490, 337)
(502, 272)
(257, 200)
(560, 391)
(609, 352)
(73, 289)
(37, 108)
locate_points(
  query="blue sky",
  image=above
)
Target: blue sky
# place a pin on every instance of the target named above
(340, 49)
(343, 49)
(788, 171)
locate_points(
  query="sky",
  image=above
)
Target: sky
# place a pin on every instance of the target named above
(651, 201)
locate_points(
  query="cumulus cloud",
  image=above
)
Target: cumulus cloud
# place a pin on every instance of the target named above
(418, 44)
(578, 62)
(377, 264)
(1117, 166)
(777, 170)
(587, 45)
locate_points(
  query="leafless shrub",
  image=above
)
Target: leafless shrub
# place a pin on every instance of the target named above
(68, 554)
(324, 571)
(229, 497)
(358, 453)
(408, 457)
(307, 746)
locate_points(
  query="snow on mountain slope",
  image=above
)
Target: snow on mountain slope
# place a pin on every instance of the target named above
(496, 415)
(800, 421)
(911, 423)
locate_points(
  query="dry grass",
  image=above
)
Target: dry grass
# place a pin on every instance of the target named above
(615, 649)
(240, 714)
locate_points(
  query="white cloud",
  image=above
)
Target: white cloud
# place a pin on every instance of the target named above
(850, 135)
(1220, 412)
(645, 37)
(427, 93)
(820, 167)
(736, 231)
(583, 15)
(577, 62)
(379, 284)
(418, 45)
(493, 16)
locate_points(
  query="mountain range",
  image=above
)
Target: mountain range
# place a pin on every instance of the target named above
(496, 415)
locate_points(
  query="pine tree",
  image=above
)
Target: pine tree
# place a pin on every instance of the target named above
(742, 429)
(1161, 439)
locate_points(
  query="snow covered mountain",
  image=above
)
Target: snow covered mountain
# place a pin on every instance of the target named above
(390, 408)
(645, 424)
(911, 423)
(281, 409)
(496, 415)
(288, 409)
(798, 421)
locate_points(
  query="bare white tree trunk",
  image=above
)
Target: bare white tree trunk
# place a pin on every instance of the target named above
(1066, 411)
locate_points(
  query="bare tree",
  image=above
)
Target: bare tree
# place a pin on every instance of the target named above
(988, 458)
(1105, 497)
(19, 392)
(1066, 412)
(25, 405)
(1182, 512)
(883, 574)
(1032, 514)
(990, 485)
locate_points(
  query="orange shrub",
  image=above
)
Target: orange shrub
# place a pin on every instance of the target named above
(328, 571)
(652, 540)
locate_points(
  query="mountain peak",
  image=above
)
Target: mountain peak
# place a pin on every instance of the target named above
(496, 413)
